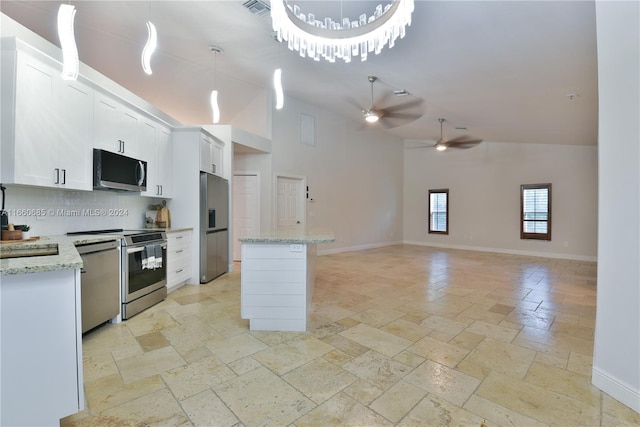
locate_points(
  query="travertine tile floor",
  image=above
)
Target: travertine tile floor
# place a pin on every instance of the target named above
(404, 335)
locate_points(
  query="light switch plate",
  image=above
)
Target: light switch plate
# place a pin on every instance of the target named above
(295, 248)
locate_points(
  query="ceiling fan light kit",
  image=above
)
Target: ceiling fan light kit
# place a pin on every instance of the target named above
(371, 116)
(330, 40)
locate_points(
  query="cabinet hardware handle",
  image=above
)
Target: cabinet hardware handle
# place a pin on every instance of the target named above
(161, 190)
(179, 271)
(179, 237)
(57, 176)
(64, 176)
(82, 270)
(213, 167)
(180, 251)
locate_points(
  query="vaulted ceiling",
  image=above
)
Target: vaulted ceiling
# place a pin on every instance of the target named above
(508, 71)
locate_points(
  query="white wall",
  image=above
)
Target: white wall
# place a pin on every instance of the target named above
(354, 177)
(616, 364)
(484, 197)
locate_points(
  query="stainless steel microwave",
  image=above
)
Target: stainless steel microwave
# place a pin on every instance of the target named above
(113, 171)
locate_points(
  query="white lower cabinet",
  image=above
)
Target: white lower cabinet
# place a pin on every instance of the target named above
(41, 348)
(178, 258)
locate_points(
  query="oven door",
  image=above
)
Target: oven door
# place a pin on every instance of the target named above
(137, 281)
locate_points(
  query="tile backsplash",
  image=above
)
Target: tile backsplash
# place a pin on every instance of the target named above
(53, 211)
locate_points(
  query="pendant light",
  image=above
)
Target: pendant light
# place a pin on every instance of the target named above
(277, 85)
(215, 109)
(70, 61)
(150, 46)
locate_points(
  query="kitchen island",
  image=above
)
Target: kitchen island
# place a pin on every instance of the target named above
(277, 277)
(40, 330)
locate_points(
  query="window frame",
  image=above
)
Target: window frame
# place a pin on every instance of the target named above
(438, 191)
(529, 235)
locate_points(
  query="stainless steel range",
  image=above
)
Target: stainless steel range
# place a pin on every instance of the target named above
(144, 270)
(143, 266)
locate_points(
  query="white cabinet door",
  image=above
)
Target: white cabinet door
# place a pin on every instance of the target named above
(75, 126)
(211, 155)
(216, 157)
(165, 172)
(105, 125)
(130, 127)
(51, 127)
(206, 163)
(116, 127)
(178, 258)
(149, 134)
(35, 144)
(157, 140)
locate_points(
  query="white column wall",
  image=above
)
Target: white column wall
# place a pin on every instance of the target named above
(616, 364)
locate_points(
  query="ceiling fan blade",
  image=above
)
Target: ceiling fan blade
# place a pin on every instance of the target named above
(394, 120)
(464, 139)
(378, 104)
(420, 147)
(354, 103)
(414, 104)
(405, 116)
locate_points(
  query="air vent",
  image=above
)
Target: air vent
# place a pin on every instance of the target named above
(400, 92)
(257, 7)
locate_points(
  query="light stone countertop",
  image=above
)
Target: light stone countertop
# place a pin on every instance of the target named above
(66, 259)
(166, 230)
(291, 236)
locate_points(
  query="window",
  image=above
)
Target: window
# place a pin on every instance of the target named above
(535, 210)
(439, 211)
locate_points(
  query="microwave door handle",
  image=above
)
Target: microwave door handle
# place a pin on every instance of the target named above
(141, 168)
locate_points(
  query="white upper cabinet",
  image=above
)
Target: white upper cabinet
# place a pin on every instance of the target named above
(211, 155)
(156, 141)
(76, 130)
(117, 128)
(165, 171)
(46, 125)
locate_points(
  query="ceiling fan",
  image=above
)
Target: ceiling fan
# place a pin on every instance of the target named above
(391, 116)
(461, 142)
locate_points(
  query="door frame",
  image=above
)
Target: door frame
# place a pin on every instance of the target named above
(301, 198)
(258, 204)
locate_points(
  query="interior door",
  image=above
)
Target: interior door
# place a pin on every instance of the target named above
(246, 210)
(289, 202)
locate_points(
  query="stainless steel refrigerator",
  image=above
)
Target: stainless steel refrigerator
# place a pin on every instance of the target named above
(214, 223)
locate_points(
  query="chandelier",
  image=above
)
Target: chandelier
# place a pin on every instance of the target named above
(346, 39)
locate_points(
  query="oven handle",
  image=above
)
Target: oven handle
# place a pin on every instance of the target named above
(141, 248)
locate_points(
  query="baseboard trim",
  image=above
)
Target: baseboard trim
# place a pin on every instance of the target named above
(572, 257)
(617, 389)
(356, 248)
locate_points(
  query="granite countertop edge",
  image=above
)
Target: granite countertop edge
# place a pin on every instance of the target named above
(67, 258)
(291, 237)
